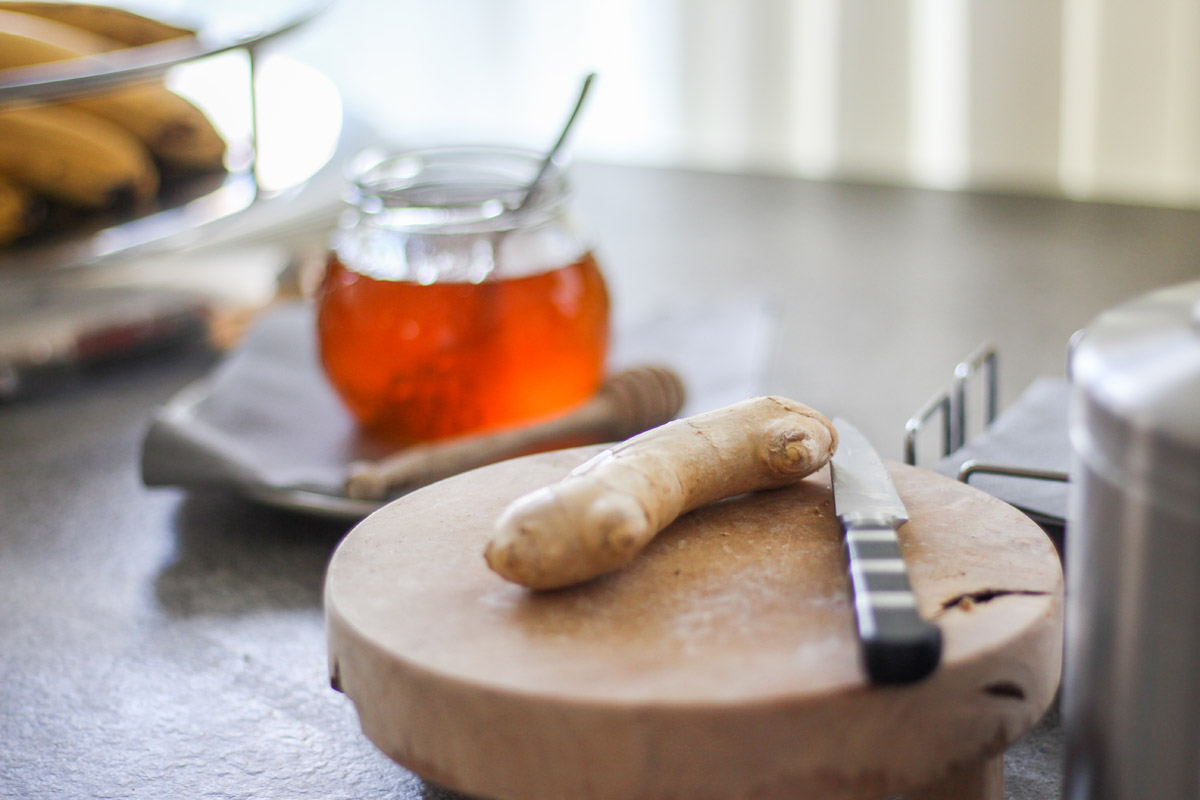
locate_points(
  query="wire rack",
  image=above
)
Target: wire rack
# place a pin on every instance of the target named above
(950, 408)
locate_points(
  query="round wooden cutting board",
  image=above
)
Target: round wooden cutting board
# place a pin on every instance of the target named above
(721, 663)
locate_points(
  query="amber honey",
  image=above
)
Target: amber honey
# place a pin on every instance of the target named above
(418, 362)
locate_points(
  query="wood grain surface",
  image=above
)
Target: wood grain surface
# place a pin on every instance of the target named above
(721, 663)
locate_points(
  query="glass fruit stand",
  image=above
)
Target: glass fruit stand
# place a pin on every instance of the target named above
(218, 69)
(273, 149)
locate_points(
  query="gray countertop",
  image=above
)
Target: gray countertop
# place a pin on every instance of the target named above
(155, 643)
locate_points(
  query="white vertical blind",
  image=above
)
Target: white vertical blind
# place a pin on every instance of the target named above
(716, 44)
(1014, 94)
(812, 119)
(873, 108)
(937, 92)
(1130, 117)
(1093, 99)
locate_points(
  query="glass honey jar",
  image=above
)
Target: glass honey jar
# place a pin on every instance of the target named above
(452, 303)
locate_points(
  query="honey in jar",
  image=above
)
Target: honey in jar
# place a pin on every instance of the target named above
(448, 307)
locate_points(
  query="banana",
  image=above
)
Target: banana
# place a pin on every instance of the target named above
(26, 40)
(174, 130)
(74, 157)
(126, 28)
(18, 211)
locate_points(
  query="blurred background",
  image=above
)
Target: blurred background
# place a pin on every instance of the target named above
(198, 617)
(1090, 99)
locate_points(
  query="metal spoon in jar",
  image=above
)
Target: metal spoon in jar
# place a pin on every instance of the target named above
(531, 189)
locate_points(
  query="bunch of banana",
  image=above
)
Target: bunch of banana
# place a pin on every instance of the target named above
(73, 157)
(95, 150)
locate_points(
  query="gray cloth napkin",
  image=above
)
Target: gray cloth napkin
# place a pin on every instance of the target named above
(266, 424)
(1032, 434)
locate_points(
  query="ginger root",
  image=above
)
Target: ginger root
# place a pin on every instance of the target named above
(606, 510)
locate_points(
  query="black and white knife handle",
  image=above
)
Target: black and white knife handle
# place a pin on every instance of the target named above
(898, 645)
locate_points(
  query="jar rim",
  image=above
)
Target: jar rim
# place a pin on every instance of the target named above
(456, 188)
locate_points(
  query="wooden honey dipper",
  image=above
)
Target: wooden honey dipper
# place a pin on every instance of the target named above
(626, 404)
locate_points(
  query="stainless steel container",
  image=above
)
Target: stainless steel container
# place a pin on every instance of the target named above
(1131, 691)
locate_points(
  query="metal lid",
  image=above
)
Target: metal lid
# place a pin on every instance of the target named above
(1136, 411)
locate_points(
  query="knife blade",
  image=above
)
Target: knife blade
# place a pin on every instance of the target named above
(898, 645)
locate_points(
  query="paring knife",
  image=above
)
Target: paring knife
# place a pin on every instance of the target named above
(898, 645)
